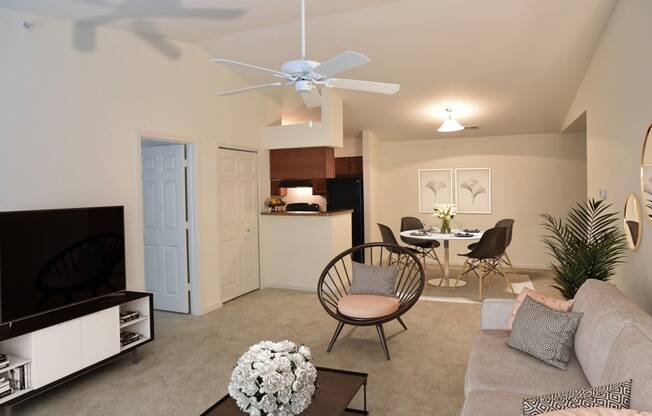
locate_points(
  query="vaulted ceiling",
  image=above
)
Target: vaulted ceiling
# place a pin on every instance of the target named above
(508, 66)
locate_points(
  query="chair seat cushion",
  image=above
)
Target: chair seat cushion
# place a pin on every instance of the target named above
(367, 306)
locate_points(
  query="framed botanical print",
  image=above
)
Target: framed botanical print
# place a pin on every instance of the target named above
(473, 190)
(435, 187)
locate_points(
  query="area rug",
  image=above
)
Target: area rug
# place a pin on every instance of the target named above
(494, 286)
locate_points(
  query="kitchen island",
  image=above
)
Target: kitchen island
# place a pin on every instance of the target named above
(296, 246)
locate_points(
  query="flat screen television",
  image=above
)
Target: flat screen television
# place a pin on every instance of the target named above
(53, 258)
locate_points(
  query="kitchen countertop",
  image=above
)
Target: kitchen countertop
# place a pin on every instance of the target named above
(309, 213)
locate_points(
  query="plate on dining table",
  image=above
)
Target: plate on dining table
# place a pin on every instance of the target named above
(463, 235)
(419, 233)
(471, 230)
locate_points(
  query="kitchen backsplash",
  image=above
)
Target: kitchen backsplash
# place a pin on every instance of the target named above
(304, 195)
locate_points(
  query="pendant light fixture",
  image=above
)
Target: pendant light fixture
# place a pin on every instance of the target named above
(450, 124)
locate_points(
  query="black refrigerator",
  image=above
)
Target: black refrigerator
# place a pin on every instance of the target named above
(346, 193)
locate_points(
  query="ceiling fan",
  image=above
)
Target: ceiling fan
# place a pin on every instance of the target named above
(307, 75)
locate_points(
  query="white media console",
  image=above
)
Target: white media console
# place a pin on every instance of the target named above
(56, 353)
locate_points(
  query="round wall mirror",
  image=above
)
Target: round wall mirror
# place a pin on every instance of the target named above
(646, 175)
(632, 222)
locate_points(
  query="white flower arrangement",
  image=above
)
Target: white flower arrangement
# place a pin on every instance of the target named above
(274, 379)
(445, 212)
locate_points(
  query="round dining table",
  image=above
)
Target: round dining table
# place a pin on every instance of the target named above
(445, 238)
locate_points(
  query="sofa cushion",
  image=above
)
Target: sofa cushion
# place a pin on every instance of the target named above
(544, 333)
(494, 366)
(597, 411)
(553, 303)
(606, 311)
(612, 396)
(631, 357)
(492, 403)
(367, 306)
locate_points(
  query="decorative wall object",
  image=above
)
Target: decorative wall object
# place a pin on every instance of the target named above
(473, 190)
(646, 174)
(435, 187)
(632, 222)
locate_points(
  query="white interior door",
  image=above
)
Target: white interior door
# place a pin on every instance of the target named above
(164, 204)
(238, 220)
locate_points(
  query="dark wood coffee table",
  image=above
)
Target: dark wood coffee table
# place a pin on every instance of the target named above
(335, 390)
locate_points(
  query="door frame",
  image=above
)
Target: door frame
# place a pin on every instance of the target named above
(257, 152)
(191, 204)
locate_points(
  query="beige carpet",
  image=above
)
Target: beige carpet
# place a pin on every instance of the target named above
(187, 367)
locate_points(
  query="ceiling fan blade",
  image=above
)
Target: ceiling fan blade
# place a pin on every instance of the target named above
(259, 68)
(147, 31)
(340, 63)
(255, 87)
(311, 98)
(368, 86)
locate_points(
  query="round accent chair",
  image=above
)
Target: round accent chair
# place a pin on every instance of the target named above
(371, 309)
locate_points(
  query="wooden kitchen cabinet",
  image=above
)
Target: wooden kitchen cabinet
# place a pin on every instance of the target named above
(319, 186)
(276, 189)
(348, 166)
(302, 163)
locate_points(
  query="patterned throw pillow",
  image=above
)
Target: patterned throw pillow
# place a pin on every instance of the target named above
(373, 280)
(612, 396)
(544, 333)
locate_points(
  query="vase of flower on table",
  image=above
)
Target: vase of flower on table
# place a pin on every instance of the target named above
(445, 213)
(274, 379)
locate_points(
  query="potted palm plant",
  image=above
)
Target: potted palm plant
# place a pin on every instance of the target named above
(587, 245)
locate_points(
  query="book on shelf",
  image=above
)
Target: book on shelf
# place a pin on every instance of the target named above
(6, 393)
(128, 316)
(127, 338)
(130, 338)
(17, 378)
(27, 374)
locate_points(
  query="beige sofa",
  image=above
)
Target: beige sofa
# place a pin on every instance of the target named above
(613, 343)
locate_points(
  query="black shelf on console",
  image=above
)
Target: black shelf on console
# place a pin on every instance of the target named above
(35, 322)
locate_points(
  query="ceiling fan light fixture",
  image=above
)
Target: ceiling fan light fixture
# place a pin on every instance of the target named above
(450, 124)
(306, 75)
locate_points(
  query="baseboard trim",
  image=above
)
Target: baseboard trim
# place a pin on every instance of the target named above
(516, 265)
(291, 287)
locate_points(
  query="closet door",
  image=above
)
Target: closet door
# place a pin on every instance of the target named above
(238, 222)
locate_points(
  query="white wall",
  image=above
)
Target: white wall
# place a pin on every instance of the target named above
(352, 147)
(70, 124)
(616, 93)
(531, 174)
(328, 131)
(372, 186)
(295, 249)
